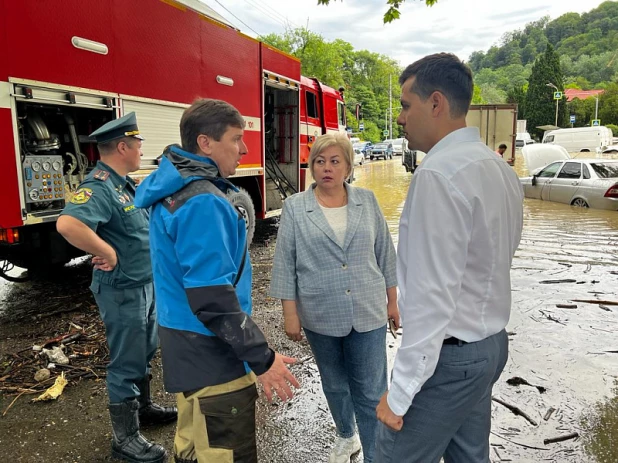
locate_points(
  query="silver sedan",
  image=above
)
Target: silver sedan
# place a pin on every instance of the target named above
(578, 182)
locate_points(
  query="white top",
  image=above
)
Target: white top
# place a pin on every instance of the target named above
(337, 218)
(459, 229)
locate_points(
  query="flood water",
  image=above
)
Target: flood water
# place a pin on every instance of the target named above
(568, 351)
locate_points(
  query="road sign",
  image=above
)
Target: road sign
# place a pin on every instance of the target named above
(385, 133)
(557, 95)
(596, 122)
(361, 126)
(349, 130)
(572, 118)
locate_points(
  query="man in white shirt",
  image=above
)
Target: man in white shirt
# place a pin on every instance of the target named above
(459, 230)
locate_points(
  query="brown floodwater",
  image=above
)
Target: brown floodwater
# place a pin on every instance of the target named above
(568, 351)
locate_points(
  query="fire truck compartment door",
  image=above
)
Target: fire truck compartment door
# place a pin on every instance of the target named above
(158, 123)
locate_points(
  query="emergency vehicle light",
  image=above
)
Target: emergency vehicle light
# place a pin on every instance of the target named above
(9, 236)
(89, 45)
(225, 80)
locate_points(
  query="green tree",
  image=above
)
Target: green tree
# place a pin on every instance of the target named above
(393, 8)
(608, 105)
(517, 95)
(540, 105)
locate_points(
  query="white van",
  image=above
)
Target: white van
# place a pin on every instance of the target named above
(589, 139)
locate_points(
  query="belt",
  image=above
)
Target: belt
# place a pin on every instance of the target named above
(453, 341)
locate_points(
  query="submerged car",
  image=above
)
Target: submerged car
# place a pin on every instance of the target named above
(359, 157)
(382, 150)
(583, 182)
(364, 147)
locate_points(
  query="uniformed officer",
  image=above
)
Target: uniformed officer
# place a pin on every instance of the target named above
(102, 220)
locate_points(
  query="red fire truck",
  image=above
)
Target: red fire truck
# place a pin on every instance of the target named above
(68, 67)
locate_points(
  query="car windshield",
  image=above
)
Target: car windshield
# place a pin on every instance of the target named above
(606, 169)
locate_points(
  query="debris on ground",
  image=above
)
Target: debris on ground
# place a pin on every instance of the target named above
(54, 391)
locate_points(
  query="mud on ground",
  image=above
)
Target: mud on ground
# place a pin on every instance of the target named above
(76, 426)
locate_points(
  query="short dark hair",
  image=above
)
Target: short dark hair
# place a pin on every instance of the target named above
(110, 146)
(502, 146)
(207, 117)
(445, 73)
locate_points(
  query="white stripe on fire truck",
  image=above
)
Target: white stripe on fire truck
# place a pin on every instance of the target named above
(253, 124)
(5, 95)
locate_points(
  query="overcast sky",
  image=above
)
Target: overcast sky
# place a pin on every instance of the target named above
(457, 26)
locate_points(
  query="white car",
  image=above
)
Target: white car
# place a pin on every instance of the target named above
(575, 181)
(359, 157)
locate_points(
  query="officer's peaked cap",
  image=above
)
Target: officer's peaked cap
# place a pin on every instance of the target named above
(126, 126)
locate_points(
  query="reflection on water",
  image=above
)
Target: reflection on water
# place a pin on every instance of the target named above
(601, 426)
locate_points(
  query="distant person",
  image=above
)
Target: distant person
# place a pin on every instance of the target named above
(211, 348)
(334, 271)
(501, 150)
(101, 219)
(460, 226)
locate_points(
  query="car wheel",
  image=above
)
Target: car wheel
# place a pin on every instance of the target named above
(371, 158)
(579, 202)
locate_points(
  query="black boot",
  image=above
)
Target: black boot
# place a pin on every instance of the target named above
(128, 444)
(149, 412)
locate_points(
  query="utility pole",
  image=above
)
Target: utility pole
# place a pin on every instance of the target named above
(596, 107)
(390, 106)
(549, 84)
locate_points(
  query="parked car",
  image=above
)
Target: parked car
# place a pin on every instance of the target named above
(363, 147)
(613, 149)
(523, 139)
(399, 145)
(359, 157)
(382, 150)
(578, 182)
(412, 159)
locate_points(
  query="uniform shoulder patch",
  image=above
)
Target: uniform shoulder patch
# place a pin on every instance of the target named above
(81, 196)
(101, 175)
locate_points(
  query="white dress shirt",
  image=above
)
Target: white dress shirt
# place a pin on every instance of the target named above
(459, 230)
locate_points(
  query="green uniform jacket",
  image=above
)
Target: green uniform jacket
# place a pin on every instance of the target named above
(104, 202)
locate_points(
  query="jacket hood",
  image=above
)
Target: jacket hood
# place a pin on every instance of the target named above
(177, 168)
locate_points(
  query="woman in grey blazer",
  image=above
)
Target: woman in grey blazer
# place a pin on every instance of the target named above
(334, 271)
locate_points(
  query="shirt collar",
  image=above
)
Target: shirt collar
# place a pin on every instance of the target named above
(466, 134)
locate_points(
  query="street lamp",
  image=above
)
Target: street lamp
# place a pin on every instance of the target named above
(555, 88)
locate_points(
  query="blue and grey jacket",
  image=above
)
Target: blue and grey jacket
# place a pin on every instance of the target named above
(202, 288)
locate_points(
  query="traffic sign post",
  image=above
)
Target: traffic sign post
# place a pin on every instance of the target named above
(361, 126)
(596, 122)
(385, 133)
(572, 119)
(557, 95)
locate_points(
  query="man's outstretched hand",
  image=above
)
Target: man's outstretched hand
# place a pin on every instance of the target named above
(278, 379)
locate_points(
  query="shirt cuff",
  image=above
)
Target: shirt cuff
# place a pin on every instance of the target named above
(398, 401)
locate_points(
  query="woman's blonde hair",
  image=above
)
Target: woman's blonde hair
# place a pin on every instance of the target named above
(326, 141)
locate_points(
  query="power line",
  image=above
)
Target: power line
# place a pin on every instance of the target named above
(272, 14)
(246, 25)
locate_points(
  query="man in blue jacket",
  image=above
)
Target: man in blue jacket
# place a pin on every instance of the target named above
(211, 348)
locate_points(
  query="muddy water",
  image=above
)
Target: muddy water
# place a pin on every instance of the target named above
(564, 350)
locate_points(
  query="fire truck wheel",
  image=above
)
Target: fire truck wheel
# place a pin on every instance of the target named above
(243, 202)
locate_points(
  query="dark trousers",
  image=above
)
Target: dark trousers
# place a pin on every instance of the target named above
(450, 416)
(130, 322)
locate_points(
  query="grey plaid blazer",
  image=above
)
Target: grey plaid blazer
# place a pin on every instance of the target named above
(336, 288)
